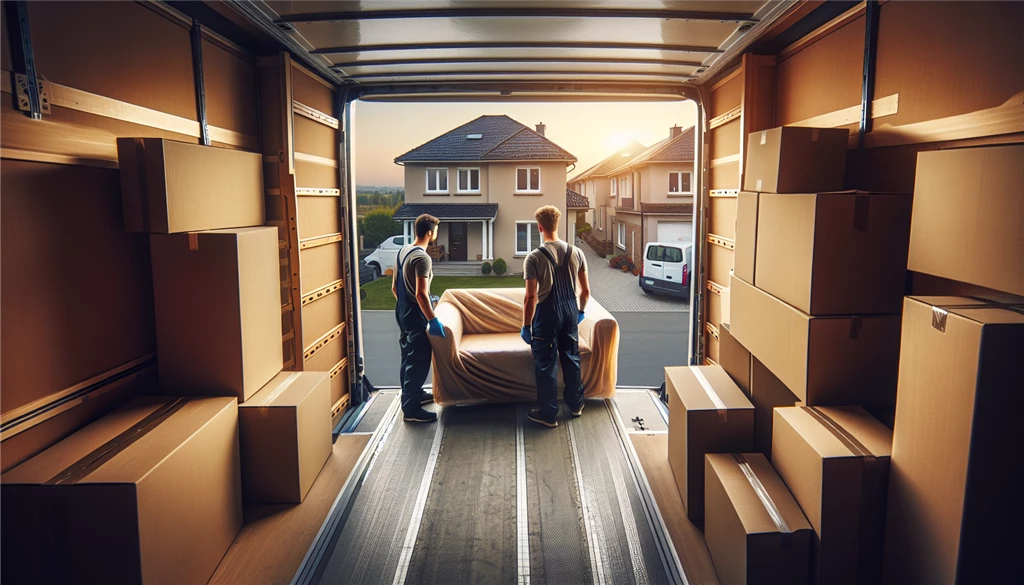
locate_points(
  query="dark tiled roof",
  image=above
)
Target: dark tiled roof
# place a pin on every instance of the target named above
(448, 210)
(678, 149)
(574, 200)
(617, 159)
(502, 138)
(675, 208)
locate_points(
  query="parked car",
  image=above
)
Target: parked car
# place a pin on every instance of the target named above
(367, 273)
(667, 269)
(384, 256)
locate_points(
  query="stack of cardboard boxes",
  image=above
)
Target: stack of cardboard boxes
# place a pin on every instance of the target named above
(814, 341)
(153, 492)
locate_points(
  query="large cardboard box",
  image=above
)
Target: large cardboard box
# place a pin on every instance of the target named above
(753, 527)
(767, 393)
(707, 414)
(285, 432)
(824, 361)
(734, 358)
(794, 159)
(841, 253)
(150, 493)
(835, 461)
(955, 505)
(968, 222)
(746, 236)
(218, 310)
(171, 187)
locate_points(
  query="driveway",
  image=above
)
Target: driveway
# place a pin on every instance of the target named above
(648, 343)
(620, 291)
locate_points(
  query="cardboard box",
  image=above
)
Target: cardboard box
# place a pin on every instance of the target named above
(955, 507)
(285, 433)
(746, 236)
(734, 359)
(842, 253)
(824, 361)
(171, 187)
(968, 222)
(707, 414)
(767, 393)
(150, 493)
(794, 159)
(835, 461)
(754, 528)
(218, 310)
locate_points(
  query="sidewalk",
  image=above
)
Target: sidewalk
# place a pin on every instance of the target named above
(619, 291)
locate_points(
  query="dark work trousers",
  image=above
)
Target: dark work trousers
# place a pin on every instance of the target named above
(556, 340)
(415, 345)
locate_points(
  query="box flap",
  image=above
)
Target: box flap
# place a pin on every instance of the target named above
(839, 431)
(706, 388)
(286, 389)
(761, 500)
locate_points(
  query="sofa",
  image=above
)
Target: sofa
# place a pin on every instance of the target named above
(483, 359)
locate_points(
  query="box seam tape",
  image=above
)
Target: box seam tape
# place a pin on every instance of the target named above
(280, 389)
(723, 410)
(762, 494)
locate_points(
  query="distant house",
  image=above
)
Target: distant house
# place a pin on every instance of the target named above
(484, 180)
(595, 183)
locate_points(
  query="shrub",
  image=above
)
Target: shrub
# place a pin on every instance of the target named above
(485, 268)
(500, 266)
(618, 261)
(378, 226)
(583, 229)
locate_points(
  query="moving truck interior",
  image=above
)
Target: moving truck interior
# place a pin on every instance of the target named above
(182, 396)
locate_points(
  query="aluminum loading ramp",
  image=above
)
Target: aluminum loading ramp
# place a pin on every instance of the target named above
(486, 496)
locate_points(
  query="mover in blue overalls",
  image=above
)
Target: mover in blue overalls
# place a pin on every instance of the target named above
(551, 317)
(415, 315)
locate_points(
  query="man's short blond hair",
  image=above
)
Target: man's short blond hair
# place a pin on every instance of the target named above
(548, 217)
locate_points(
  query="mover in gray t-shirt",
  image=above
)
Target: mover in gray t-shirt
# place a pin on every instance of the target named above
(537, 267)
(415, 316)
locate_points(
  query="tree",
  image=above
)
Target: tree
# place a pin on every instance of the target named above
(379, 225)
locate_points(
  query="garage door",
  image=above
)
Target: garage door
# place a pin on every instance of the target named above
(675, 231)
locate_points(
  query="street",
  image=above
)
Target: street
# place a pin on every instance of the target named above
(649, 342)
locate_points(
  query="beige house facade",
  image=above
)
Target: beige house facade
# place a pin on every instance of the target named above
(596, 184)
(484, 181)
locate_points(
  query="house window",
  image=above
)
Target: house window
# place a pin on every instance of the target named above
(437, 180)
(622, 235)
(600, 216)
(469, 180)
(679, 183)
(527, 237)
(622, 187)
(528, 180)
(614, 190)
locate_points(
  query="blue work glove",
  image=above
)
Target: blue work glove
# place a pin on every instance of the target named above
(435, 327)
(526, 335)
(580, 317)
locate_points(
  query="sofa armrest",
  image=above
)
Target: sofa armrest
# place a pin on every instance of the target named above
(596, 315)
(451, 318)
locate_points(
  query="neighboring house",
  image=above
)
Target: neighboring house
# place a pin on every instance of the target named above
(484, 180)
(653, 195)
(595, 184)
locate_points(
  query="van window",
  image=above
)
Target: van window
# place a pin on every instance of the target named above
(654, 253)
(673, 254)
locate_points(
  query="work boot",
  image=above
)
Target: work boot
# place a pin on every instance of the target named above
(426, 397)
(423, 416)
(578, 412)
(535, 416)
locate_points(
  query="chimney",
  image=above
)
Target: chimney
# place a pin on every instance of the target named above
(674, 131)
(540, 128)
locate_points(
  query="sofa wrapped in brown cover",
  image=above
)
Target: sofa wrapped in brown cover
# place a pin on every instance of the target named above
(483, 359)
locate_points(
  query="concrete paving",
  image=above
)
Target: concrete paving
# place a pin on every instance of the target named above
(620, 291)
(649, 342)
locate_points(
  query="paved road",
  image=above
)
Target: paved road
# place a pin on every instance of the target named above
(620, 291)
(649, 342)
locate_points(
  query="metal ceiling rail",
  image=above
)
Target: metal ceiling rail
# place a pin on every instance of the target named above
(475, 72)
(516, 59)
(514, 45)
(509, 12)
(508, 87)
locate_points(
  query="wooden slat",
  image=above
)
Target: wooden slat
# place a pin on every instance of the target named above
(314, 114)
(712, 330)
(338, 367)
(316, 160)
(733, 158)
(90, 103)
(722, 241)
(1007, 118)
(340, 405)
(317, 192)
(725, 118)
(319, 241)
(824, 30)
(322, 292)
(61, 159)
(319, 344)
(710, 362)
(881, 107)
(715, 288)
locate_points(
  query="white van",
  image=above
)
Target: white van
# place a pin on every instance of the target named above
(667, 268)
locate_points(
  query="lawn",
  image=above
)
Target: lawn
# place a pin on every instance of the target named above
(379, 297)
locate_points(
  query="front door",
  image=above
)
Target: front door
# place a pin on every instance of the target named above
(457, 241)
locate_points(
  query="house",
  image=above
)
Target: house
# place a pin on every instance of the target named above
(653, 195)
(595, 184)
(484, 180)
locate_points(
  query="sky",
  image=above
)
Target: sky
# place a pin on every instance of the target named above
(590, 131)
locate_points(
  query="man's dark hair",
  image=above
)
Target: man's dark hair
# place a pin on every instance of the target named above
(425, 224)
